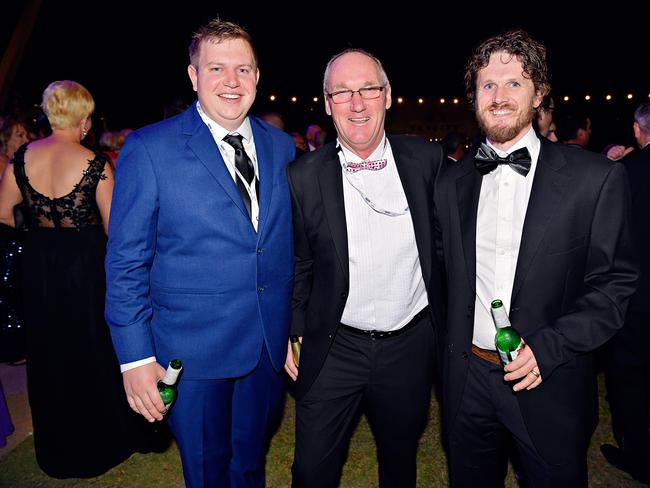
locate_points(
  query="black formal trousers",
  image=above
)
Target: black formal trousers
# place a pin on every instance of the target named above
(391, 380)
(627, 376)
(488, 423)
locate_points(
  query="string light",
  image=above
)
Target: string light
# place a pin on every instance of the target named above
(442, 100)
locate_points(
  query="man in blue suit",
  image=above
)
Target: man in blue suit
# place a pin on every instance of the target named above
(200, 265)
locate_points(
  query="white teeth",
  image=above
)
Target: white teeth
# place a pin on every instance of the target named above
(501, 112)
(229, 95)
(362, 119)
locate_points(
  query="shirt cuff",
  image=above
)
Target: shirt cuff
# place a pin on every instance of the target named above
(134, 364)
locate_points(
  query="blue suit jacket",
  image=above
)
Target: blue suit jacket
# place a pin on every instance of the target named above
(187, 275)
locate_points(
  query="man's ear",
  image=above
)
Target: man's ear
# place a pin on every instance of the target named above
(194, 75)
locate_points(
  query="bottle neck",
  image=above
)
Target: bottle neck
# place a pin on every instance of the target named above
(171, 375)
(500, 317)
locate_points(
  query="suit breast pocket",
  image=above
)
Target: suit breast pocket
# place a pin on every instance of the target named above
(563, 246)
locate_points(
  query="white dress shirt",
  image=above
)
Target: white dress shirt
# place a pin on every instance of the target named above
(386, 284)
(499, 223)
(228, 155)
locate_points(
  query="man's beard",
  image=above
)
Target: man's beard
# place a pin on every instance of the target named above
(503, 133)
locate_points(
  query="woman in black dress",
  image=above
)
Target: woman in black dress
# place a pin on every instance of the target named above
(82, 422)
(13, 134)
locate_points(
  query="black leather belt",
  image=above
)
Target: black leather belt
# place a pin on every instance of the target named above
(380, 334)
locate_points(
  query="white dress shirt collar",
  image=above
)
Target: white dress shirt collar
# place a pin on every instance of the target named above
(219, 132)
(377, 153)
(530, 141)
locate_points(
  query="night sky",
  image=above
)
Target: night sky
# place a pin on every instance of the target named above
(132, 56)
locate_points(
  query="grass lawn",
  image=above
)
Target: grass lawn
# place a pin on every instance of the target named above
(19, 468)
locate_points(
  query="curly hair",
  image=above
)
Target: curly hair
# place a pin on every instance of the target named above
(517, 43)
(217, 31)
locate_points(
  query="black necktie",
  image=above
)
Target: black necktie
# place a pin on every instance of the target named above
(244, 166)
(487, 160)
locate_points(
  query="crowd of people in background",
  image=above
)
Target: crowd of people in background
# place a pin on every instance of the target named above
(59, 187)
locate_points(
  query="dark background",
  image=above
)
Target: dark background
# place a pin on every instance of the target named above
(132, 56)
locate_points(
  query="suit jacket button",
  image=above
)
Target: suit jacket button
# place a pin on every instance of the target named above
(259, 250)
(329, 336)
(260, 289)
(463, 355)
(344, 294)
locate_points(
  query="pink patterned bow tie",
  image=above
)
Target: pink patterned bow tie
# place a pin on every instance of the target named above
(369, 165)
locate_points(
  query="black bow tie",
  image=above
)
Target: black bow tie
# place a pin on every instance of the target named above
(487, 160)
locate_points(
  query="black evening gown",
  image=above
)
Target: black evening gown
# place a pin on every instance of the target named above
(83, 425)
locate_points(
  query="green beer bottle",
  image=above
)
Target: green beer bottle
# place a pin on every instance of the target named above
(167, 386)
(507, 339)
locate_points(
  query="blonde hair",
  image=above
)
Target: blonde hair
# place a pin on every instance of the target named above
(66, 103)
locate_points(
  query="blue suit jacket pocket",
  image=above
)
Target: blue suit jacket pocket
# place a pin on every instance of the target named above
(185, 291)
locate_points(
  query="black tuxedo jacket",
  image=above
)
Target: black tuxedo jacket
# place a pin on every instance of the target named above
(321, 281)
(575, 273)
(637, 165)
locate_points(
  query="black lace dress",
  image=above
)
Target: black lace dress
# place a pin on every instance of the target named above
(82, 423)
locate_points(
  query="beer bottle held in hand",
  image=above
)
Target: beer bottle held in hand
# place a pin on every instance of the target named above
(295, 348)
(167, 386)
(507, 339)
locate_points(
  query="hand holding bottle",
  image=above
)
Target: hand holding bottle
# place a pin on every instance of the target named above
(525, 368)
(167, 386)
(519, 360)
(141, 387)
(293, 357)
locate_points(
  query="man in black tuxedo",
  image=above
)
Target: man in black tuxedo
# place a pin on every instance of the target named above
(545, 228)
(627, 362)
(366, 282)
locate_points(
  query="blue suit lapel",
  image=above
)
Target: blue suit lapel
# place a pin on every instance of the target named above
(202, 144)
(265, 163)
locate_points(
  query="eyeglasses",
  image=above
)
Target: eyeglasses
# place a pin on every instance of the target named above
(367, 93)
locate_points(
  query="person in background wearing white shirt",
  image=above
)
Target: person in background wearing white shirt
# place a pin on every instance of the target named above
(545, 228)
(367, 280)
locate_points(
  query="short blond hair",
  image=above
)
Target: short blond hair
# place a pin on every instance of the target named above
(66, 103)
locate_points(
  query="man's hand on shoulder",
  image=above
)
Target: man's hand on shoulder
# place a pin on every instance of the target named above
(141, 387)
